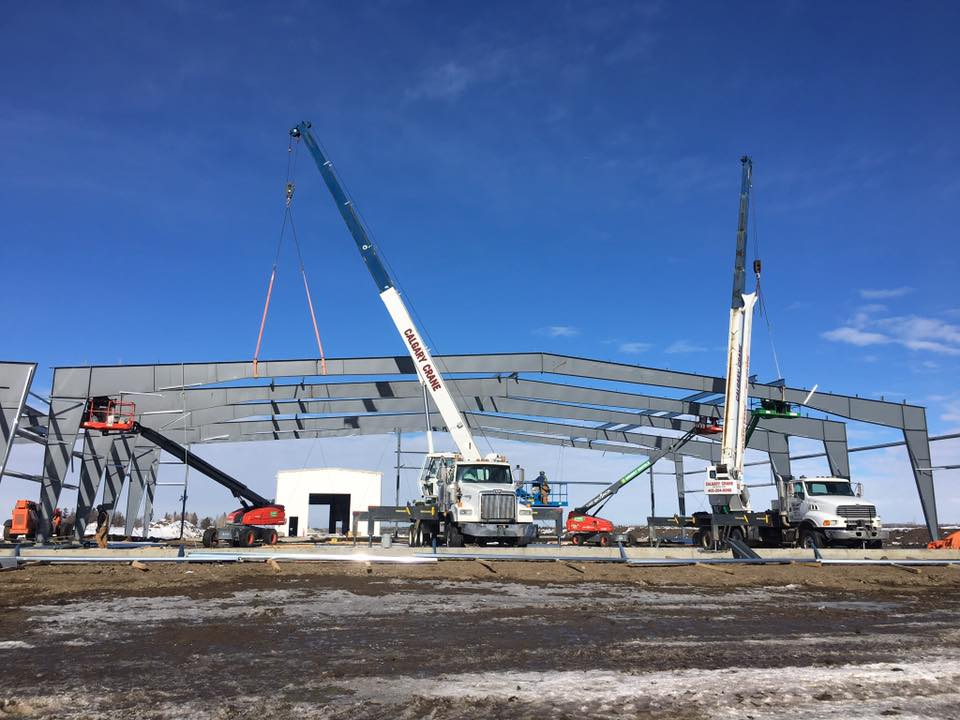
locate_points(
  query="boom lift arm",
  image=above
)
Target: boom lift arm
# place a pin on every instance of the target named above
(595, 503)
(426, 368)
(585, 527)
(247, 497)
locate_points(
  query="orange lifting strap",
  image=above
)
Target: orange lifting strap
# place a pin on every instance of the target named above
(288, 216)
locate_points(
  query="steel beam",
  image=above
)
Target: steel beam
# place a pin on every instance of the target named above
(149, 495)
(140, 462)
(63, 423)
(681, 485)
(116, 471)
(96, 454)
(15, 379)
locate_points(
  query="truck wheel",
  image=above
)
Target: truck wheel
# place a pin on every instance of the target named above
(736, 533)
(271, 537)
(576, 540)
(704, 538)
(875, 545)
(210, 537)
(812, 538)
(248, 537)
(6, 530)
(412, 532)
(454, 537)
(604, 541)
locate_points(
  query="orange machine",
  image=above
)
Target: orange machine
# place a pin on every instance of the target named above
(106, 414)
(24, 522)
(950, 542)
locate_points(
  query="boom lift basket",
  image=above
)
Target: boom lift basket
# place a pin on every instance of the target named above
(106, 414)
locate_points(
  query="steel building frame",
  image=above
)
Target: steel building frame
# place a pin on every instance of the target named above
(529, 397)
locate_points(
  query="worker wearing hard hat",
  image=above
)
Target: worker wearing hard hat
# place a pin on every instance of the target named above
(541, 489)
(103, 526)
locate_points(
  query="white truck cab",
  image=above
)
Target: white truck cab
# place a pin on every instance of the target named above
(827, 511)
(477, 500)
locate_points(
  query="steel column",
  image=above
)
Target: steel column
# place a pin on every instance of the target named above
(96, 453)
(15, 379)
(63, 428)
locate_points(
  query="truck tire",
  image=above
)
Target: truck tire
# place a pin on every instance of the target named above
(604, 541)
(270, 537)
(812, 538)
(210, 537)
(576, 540)
(875, 545)
(454, 537)
(736, 533)
(6, 530)
(704, 539)
(247, 537)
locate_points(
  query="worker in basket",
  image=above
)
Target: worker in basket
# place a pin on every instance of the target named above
(541, 489)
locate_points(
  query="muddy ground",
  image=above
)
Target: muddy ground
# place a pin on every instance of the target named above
(479, 640)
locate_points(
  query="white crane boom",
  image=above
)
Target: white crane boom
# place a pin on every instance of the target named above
(724, 485)
(426, 367)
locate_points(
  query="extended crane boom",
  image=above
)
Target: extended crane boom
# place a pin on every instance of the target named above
(724, 485)
(426, 368)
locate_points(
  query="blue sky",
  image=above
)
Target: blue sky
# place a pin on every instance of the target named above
(541, 176)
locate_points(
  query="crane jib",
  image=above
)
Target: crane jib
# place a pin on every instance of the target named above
(347, 211)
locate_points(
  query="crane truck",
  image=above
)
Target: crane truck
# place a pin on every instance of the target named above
(819, 511)
(250, 524)
(465, 497)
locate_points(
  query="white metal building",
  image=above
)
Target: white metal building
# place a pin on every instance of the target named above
(344, 490)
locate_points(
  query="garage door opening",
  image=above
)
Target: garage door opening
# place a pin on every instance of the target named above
(327, 510)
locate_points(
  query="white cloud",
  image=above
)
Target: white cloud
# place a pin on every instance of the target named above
(913, 327)
(683, 346)
(634, 348)
(853, 336)
(561, 331)
(913, 332)
(445, 82)
(883, 294)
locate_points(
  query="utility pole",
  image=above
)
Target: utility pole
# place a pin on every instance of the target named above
(653, 499)
(183, 498)
(397, 496)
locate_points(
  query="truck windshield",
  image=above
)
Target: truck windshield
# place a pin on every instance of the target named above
(484, 474)
(829, 488)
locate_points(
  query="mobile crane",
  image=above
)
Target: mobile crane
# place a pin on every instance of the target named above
(816, 511)
(465, 497)
(248, 525)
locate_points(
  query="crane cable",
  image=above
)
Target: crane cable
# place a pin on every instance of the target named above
(288, 218)
(763, 305)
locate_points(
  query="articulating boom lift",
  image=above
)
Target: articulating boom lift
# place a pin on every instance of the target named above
(472, 496)
(243, 525)
(584, 528)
